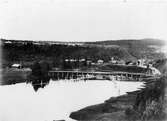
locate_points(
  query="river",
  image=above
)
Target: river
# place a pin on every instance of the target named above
(57, 100)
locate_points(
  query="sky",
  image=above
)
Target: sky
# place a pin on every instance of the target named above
(83, 20)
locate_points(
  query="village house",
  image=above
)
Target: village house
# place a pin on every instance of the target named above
(141, 62)
(120, 62)
(18, 66)
(113, 61)
(99, 62)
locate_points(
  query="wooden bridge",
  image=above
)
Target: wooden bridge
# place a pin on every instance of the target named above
(83, 75)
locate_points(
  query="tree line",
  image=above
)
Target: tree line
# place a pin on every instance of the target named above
(56, 54)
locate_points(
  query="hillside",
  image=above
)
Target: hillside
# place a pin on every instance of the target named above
(161, 65)
(55, 52)
(138, 48)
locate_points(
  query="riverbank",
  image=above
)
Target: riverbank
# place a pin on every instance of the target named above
(128, 107)
(14, 75)
(111, 110)
(147, 103)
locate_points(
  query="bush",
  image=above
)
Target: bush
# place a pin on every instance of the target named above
(153, 110)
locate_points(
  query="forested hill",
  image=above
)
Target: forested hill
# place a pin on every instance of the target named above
(28, 51)
(126, 42)
(140, 48)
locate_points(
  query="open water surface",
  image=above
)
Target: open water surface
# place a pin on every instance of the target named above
(57, 100)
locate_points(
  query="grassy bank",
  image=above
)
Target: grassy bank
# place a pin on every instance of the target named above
(145, 104)
(14, 75)
(141, 105)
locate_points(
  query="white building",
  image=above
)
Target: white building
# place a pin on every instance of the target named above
(100, 62)
(16, 66)
(113, 61)
(141, 62)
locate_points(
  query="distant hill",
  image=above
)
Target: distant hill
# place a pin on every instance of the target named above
(56, 52)
(142, 48)
(126, 42)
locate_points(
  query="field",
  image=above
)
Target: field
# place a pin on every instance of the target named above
(12, 75)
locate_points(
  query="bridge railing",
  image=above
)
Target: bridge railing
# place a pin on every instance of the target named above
(61, 74)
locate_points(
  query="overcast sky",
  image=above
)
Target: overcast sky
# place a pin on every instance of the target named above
(83, 20)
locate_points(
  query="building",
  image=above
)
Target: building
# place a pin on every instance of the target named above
(100, 61)
(140, 62)
(113, 61)
(121, 62)
(19, 66)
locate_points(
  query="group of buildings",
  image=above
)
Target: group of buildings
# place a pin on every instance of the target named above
(139, 62)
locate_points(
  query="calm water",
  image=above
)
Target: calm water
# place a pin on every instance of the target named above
(57, 100)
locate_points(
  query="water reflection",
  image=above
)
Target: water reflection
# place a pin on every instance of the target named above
(39, 77)
(37, 85)
(58, 99)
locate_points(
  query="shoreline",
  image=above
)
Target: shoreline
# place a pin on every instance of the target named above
(110, 106)
(119, 108)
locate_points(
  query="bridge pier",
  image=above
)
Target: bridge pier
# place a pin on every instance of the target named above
(99, 75)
